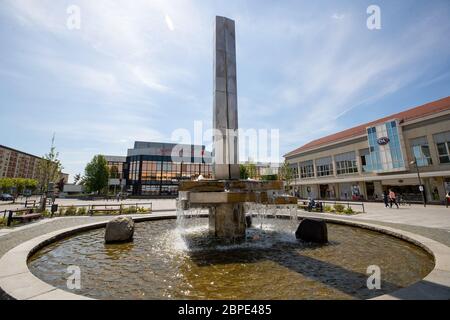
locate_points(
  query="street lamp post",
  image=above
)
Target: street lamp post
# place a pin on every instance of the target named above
(422, 191)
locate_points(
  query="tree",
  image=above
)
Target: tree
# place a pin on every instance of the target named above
(243, 174)
(49, 171)
(96, 174)
(31, 184)
(251, 170)
(286, 174)
(6, 184)
(60, 185)
(20, 184)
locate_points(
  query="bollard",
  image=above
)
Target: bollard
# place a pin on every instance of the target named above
(10, 215)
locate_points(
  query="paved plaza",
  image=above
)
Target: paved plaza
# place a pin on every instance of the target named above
(432, 222)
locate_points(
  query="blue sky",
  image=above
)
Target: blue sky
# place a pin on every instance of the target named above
(138, 70)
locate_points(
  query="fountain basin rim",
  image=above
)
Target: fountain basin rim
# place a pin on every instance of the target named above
(19, 283)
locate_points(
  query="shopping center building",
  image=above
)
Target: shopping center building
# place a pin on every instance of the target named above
(156, 168)
(388, 153)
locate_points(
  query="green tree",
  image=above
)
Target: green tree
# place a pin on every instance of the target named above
(243, 172)
(20, 184)
(6, 184)
(49, 171)
(31, 184)
(286, 173)
(96, 174)
(251, 170)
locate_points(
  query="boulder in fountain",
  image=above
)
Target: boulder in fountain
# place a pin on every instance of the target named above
(312, 230)
(248, 221)
(120, 229)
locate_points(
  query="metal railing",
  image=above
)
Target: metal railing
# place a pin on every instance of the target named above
(349, 204)
(106, 207)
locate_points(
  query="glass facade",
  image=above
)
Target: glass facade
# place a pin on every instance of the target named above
(421, 151)
(158, 175)
(384, 147)
(307, 169)
(115, 169)
(442, 141)
(324, 167)
(346, 163)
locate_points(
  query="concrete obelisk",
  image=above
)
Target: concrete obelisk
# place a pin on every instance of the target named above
(225, 115)
(226, 220)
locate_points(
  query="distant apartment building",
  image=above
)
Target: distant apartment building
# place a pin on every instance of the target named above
(364, 161)
(18, 164)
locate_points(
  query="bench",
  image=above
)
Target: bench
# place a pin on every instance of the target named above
(27, 216)
(318, 206)
(92, 211)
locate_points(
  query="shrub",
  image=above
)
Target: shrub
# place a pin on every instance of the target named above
(349, 211)
(46, 213)
(129, 210)
(328, 209)
(70, 211)
(2, 221)
(81, 211)
(143, 210)
(339, 208)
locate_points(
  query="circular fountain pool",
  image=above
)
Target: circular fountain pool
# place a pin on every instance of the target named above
(169, 262)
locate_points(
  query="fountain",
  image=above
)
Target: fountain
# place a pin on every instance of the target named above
(225, 196)
(192, 257)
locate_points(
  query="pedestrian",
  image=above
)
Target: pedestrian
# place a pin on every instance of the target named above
(392, 199)
(385, 199)
(447, 199)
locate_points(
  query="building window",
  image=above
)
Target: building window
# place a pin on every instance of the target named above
(294, 170)
(307, 169)
(442, 141)
(346, 163)
(324, 167)
(384, 157)
(421, 151)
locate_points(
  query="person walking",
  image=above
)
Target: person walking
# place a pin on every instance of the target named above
(392, 199)
(447, 199)
(385, 199)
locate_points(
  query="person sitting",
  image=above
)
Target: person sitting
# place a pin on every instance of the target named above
(311, 204)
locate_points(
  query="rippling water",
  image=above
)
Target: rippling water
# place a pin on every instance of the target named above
(166, 262)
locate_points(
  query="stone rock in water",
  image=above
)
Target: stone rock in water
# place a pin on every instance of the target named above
(248, 221)
(120, 229)
(312, 230)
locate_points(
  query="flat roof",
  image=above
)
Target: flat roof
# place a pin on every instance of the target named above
(15, 150)
(407, 115)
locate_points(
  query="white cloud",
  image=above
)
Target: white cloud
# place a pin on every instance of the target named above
(338, 16)
(169, 22)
